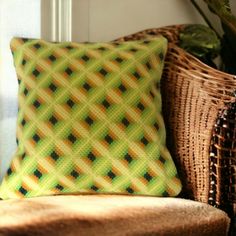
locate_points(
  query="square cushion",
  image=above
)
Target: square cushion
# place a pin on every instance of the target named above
(90, 120)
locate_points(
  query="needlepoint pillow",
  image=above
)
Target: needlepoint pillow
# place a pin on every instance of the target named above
(90, 120)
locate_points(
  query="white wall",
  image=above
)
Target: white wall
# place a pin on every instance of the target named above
(135, 15)
(17, 18)
(102, 20)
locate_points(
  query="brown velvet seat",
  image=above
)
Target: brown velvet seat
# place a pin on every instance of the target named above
(88, 215)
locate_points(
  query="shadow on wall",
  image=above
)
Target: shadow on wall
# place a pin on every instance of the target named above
(8, 116)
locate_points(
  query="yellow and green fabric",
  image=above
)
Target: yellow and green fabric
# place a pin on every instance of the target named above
(90, 120)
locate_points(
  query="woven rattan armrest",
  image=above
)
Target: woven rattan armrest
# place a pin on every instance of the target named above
(192, 95)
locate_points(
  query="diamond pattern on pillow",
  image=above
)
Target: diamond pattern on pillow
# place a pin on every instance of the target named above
(90, 120)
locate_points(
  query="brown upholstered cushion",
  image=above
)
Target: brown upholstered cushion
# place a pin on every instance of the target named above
(110, 215)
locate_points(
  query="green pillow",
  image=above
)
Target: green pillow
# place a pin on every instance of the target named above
(90, 120)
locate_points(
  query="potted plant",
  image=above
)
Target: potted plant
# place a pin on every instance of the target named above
(206, 43)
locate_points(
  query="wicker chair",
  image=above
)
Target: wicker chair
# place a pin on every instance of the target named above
(193, 93)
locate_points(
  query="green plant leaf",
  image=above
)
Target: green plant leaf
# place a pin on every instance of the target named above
(222, 9)
(200, 41)
(222, 5)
